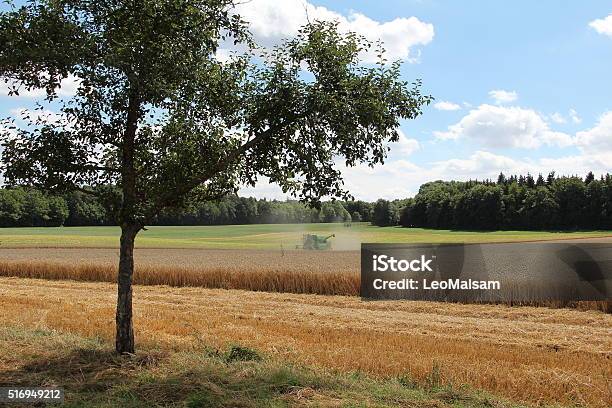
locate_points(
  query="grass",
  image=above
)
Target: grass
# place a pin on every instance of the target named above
(265, 236)
(95, 377)
(381, 353)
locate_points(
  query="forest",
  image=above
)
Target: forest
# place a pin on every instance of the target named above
(30, 207)
(514, 202)
(517, 203)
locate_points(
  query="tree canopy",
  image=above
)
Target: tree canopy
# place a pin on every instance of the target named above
(195, 126)
(513, 203)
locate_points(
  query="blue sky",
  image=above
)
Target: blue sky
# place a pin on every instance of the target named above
(519, 86)
(549, 61)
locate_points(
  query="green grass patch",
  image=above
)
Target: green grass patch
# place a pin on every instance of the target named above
(93, 376)
(264, 236)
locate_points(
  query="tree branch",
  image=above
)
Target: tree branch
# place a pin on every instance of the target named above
(99, 168)
(219, 167)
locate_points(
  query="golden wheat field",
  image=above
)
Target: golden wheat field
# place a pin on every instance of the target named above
(322, 273)
(326, 273)
(535, 355)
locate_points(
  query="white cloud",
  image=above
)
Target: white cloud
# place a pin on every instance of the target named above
(574, 116)
(481, 164)
(68, 87)
(598, 139)
(264, 189)
(446, 106)
(34, 115)
(602, 25)
(561, 119)
(404, 146)
(558, 118)
(503, 127)
(397, 178)
(500, 96)
(579, 164)
(271, 21)
(223, 55)
(394, 179)
(402, 178)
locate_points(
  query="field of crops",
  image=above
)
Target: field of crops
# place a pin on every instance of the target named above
(273, 270)
(536, 355)
(265, 236)
(324, 272)
(272, 304)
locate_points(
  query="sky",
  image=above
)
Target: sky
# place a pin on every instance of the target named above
(519, 86)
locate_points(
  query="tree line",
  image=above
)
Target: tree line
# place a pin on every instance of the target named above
(30, 207)
(515, 202)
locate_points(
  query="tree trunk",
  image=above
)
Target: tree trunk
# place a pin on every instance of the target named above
(124, 341)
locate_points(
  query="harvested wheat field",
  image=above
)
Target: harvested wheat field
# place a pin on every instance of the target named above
(534, 355)
(236, 259)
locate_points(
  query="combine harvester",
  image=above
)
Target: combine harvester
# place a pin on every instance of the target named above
(315, 242)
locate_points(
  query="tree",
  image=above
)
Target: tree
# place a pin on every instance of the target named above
(567, 202)
(84, 209)
(364, 209)
(595, 208)
(512, 203)
(480, 207)
(385, 214)
(571, 197)
(590, 177)
(58, 211)
(539, 208)
(333, 211)
(35, 209)
(438, 197)
(12, 203)
(530, 181)
(159, 116)
(406, 214)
